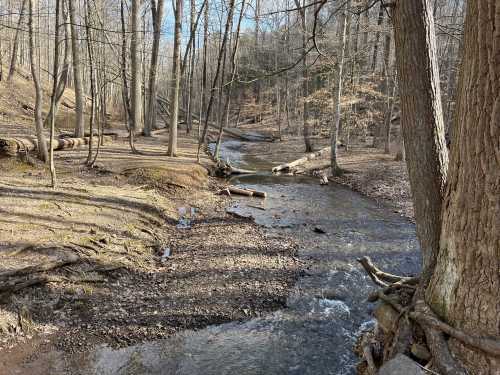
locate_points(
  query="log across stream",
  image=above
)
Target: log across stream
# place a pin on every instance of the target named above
(315, 332)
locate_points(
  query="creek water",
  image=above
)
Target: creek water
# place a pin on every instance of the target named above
(326, 310)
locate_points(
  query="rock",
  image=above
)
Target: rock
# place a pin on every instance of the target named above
(420, 351)
(386, 317)
(401, 365)
(319, 230)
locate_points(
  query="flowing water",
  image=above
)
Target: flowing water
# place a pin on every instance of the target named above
(325, 312)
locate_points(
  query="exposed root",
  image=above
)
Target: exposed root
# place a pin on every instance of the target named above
(366, 345)
(383, 277)
(399, 293)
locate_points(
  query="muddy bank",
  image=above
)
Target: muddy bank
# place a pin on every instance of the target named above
(122, 289)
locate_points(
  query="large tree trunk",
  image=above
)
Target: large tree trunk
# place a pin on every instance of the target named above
(421, 120)
(465, 287)
(77, 73)
(157, 16)
(42, 150)
(176, 80)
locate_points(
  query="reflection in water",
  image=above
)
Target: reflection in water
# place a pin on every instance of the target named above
(326, 311)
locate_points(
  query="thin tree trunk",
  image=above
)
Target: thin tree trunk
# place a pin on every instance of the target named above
(377, 36)
(231, 79)
(77, 73)
(55, 76)
(123, 60)
(189, 119)
(42, 145)
(216, 76)
(93, 95)
(157, 16)
(388, 118)
(337, 92)
(305, 76)
(176, 80)
(64, 75)
(13, 60)
(135, 86)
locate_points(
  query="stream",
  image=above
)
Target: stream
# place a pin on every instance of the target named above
(326, 310)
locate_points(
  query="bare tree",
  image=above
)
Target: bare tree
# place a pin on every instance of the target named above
(176, 80)
(42, 143)
(55, 79)
(77, 74)
(337, 90)
(157, 16)
(305, 75)
(135, 86)
(13, 60)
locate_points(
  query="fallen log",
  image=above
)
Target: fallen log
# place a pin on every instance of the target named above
(228, 190)
(14, 146)
(289, 167)
(225, 169)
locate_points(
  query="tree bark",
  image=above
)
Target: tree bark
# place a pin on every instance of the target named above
(216, 76)
(305, 76)
(157, 15)
(229, 87)
(465, 287)
(55, 77)
(42, 149)
(337, 92)
(13, 60)
(135, 86)
(377, 36)
(421, 120)
(77, 73)
(64, 75)
(176, 80)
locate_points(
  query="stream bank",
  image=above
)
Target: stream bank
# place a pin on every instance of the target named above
(326, 310)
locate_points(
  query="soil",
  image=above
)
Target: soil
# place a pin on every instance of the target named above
(118, 219)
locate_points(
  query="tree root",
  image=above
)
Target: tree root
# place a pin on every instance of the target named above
(394, 288)
(43, 267)
(382, 278)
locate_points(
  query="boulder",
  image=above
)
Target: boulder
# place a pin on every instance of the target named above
(401, 365)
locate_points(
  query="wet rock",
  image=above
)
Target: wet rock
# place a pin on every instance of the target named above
(319, 230)
(420, 351)
(401, 365)
(386, 317)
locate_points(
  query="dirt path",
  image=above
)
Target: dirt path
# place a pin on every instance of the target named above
(117, 220)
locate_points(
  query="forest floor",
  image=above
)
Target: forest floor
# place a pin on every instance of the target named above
(104, 232)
